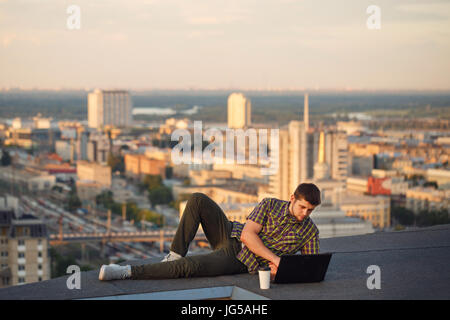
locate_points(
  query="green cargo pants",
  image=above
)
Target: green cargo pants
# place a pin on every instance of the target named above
(217, 228)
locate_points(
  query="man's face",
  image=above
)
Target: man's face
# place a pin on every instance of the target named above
(300, 209)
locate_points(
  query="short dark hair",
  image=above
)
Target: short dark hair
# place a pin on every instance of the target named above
(308, 192)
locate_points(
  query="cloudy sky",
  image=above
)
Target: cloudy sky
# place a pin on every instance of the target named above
(248, 44)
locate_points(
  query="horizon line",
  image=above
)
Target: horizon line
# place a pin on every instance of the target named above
(225, 89)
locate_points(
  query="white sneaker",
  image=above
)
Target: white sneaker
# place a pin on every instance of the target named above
(114, 272)
(172, 256)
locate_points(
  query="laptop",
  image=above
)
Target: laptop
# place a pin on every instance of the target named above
(295, 268)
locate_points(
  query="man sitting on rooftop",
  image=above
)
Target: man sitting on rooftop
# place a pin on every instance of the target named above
(274, 228)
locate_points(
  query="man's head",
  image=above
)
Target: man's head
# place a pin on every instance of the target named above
(304, 200)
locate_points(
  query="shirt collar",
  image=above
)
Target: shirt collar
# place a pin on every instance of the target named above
(289, 217)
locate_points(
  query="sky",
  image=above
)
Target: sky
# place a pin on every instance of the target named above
(212, 44)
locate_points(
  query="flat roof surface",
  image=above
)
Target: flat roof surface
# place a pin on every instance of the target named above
(413, 265)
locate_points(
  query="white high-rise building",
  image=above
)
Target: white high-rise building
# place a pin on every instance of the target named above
(292, 162)
(109, 107)
(336, 154)
(239, 111)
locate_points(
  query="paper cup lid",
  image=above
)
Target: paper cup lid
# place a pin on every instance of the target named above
(264, 269)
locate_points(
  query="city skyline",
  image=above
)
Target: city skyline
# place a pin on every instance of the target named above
(264, 45)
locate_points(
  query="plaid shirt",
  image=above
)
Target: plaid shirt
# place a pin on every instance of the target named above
(282, 233)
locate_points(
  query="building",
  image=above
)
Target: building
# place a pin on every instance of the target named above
(164, 154)
(440, 176)
(387, 186)
(28, 138)
(374, 209)
(24, 249)
(109, 108)
(427, 199)
(10, 202)
(32, 179)
(246, 172)
(139, 165)
(81, 144)
(98, 147)
(308, 156)
(321, 168)
(357, 185)
(350, 127)
(207, 177)
(336, 154)
(306, 112)
(42, 182)
(292, 161)
(42, 123)
(313, 151)
(172, 124)
(88, 190)
(360, 165)
(124, 192)
(330, 189)
(64, 149)
(239, 111)
(16, 123)
(92, 171)
(332, 222)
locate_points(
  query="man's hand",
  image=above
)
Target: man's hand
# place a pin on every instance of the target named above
(253, 242)
(276, 261)
(273, 270)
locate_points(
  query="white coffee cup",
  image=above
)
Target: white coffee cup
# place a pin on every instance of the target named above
(264, 277)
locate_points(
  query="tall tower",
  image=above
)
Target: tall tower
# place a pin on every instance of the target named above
(306, 112)
(239, 111)
(109, 107)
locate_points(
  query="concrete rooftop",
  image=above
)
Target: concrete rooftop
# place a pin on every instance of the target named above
(414, 265)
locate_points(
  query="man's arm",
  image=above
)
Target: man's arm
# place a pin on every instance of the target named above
(253, 242)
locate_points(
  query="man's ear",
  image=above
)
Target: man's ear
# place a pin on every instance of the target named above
(292, 198)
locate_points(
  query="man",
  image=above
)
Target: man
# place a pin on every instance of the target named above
(274, 228)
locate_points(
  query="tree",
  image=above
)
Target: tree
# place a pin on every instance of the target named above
(152, 216)
(132, 211)
(431, 218)
(106, 200)
(60, 262)
(6, 158)
(160, 195)
(402, 215)
(152, 181)
(117, 163)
